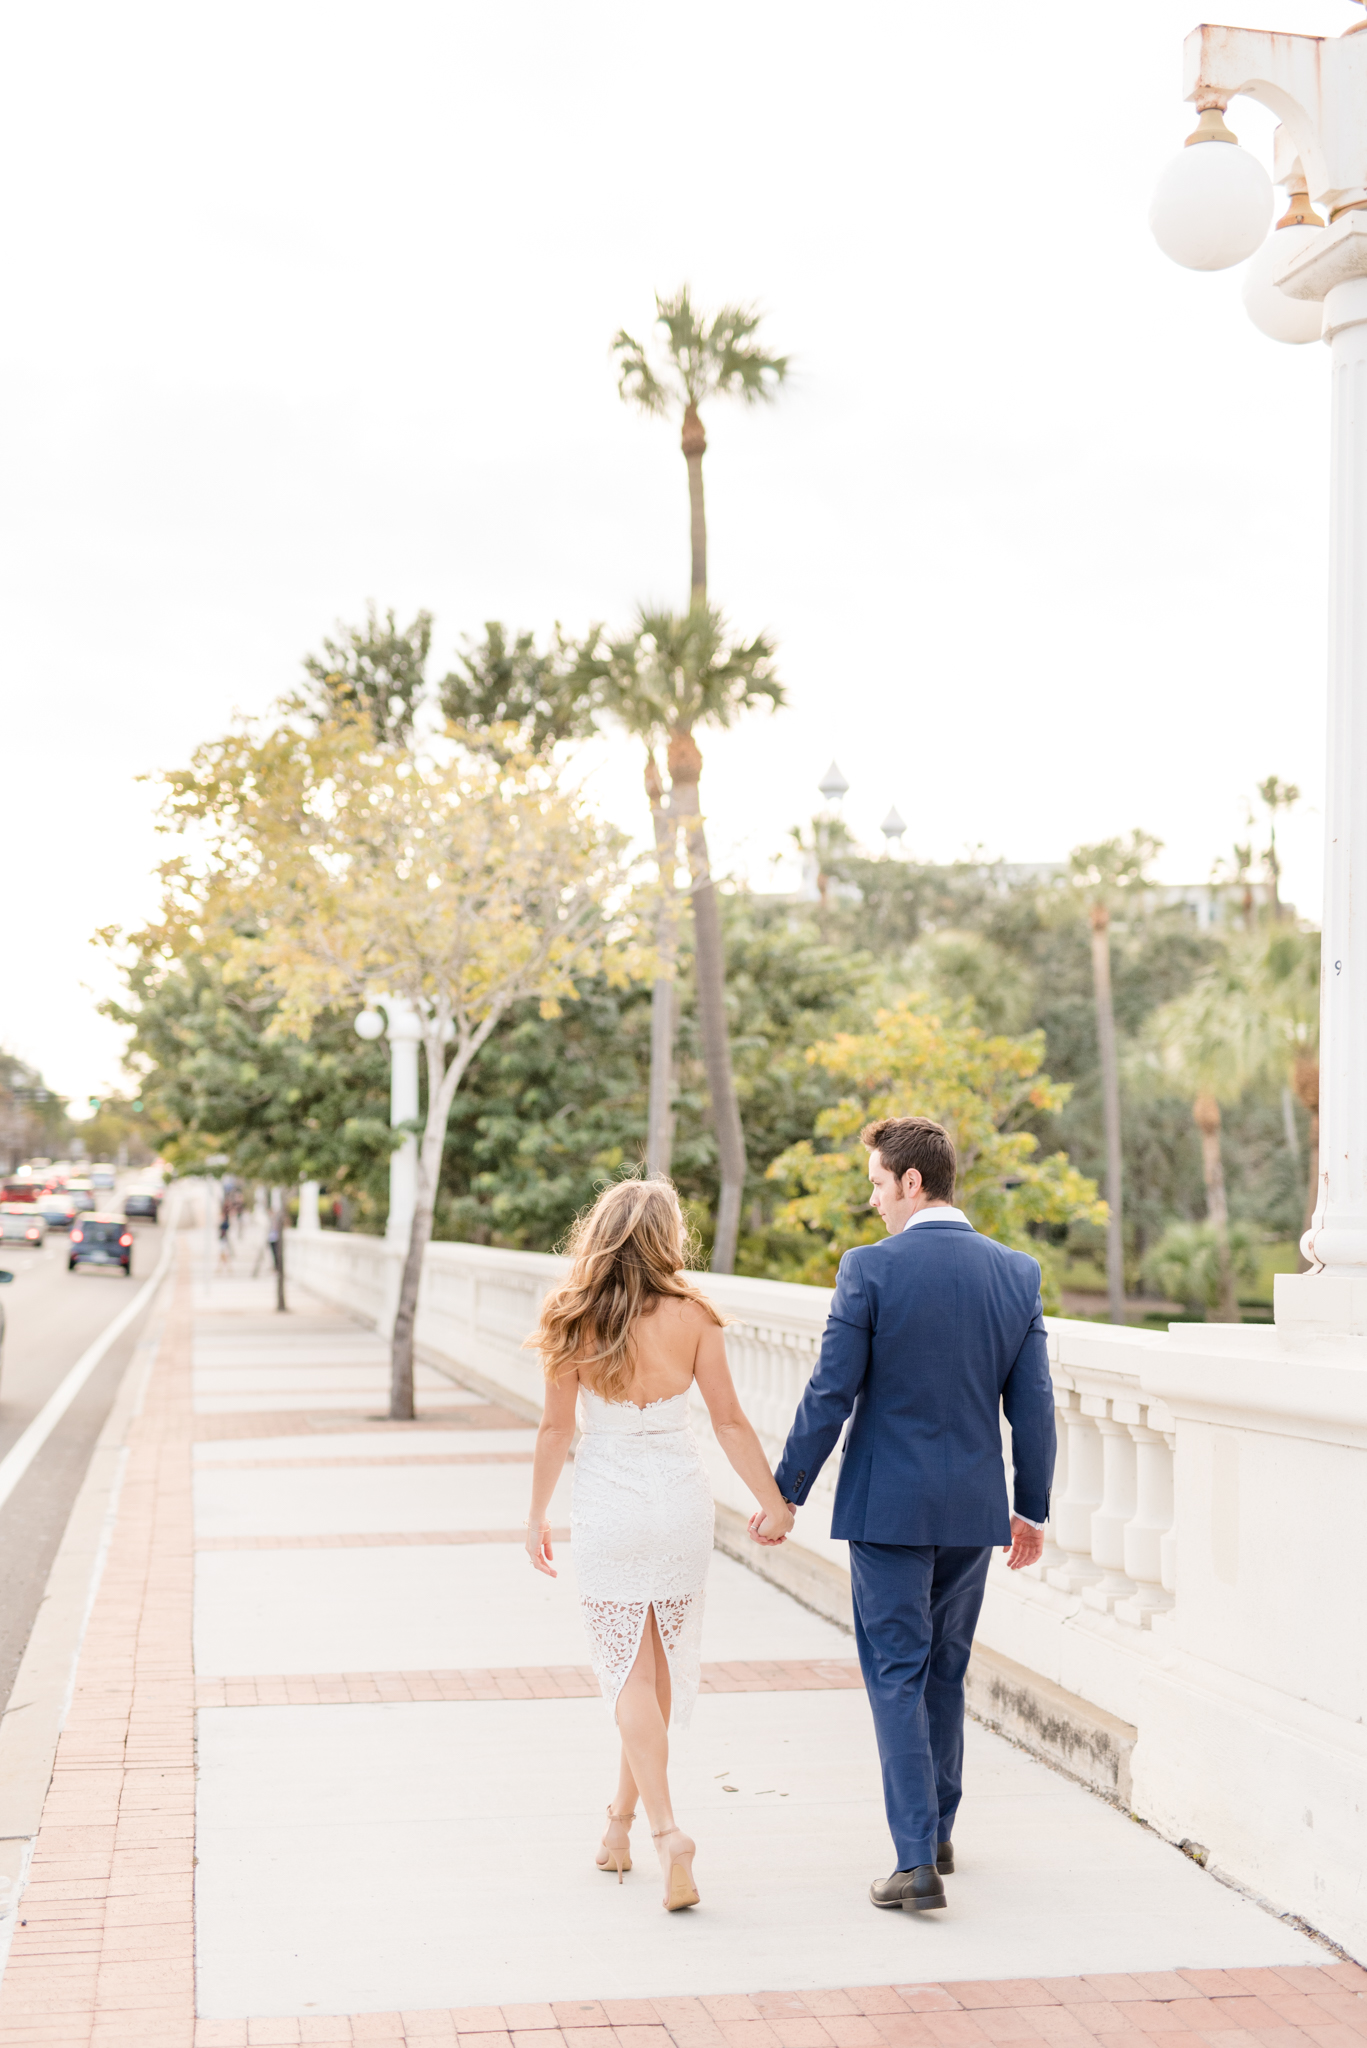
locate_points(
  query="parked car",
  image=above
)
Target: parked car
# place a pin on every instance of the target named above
(82, 1194)
(57, 1209)
(142, 1202)
(22, 1223)
(100, 1241)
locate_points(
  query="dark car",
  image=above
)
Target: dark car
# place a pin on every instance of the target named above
(100, 1241)
(142, 1202)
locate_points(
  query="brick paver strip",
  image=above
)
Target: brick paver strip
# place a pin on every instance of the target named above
(512, 1682)
(870, 2016)
(105, 1949)
(331, 1464)
(214, 1429)
(350, 1539)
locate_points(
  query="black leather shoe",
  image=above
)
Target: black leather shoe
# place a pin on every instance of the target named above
(944, 1858)
(915, 1891)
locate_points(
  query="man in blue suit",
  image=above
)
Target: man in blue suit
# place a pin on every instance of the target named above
(931, 1334)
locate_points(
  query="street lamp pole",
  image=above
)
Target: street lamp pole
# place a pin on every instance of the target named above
(1317, 86)
(400, 1023)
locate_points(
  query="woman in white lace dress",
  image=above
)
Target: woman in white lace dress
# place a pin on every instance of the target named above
(625, 1339)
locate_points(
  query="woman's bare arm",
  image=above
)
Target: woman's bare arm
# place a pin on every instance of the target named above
(553, 1441)
(735, 1433)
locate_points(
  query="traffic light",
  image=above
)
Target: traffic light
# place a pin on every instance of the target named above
(94, 1102)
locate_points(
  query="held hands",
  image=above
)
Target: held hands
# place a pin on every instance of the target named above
(770, 1527)
(539, 1548)
(1026, 1545)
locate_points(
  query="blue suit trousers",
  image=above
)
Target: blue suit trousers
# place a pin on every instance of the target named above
(915, 1610)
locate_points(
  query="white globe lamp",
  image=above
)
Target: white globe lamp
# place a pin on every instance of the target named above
(1213, 202)
(1271, 311)
(370, 1024)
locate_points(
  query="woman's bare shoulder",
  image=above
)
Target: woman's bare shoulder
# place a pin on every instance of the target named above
(682, 1309)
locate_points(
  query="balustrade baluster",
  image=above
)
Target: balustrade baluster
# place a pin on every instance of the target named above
(1152, 1519)
(1078, 1500)
(1118, 1501)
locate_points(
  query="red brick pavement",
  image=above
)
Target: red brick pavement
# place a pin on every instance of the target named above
(1282, 2008)
(521, 1682)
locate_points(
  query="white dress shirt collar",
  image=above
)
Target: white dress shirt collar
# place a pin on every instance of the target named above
(941, 1213)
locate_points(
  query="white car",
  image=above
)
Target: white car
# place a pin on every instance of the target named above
(22, 1223)
(102, 1177)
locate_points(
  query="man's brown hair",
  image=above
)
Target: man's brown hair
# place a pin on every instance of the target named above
(902, 1142)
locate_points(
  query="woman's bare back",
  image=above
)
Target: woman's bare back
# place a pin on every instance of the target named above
(664, 1345)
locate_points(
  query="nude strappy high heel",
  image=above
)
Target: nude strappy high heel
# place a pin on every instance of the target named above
(680, 1890)
(610, 1857)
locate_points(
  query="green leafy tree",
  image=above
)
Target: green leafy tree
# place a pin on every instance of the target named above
(33, 1117)
(915, 1063)
(218, 1078)
(700, 359)
(456, 883)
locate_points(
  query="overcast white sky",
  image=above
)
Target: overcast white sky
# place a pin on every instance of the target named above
(307, 304)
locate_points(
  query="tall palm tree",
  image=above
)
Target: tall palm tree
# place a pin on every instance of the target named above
(1278, 796)
(701, 359)
(1103, 874)
(675, 673)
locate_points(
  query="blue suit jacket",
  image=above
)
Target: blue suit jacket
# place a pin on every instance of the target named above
(930, 1334)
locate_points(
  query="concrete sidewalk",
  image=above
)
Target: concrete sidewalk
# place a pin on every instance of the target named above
(335, 1769)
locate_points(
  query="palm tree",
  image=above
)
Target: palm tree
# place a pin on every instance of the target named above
(703, 359)
(826, 842)
(677, 672)
(1251, 1015)
(1103, 874)
(1278, 796)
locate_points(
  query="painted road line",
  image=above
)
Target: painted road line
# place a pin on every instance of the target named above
(25, 1449)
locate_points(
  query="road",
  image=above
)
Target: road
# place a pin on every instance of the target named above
(51, 1317)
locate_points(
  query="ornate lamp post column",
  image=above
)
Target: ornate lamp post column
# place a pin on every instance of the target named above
(1318, 87)
(400, 1023)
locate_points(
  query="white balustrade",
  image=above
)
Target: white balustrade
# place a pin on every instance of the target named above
(1109, 1539)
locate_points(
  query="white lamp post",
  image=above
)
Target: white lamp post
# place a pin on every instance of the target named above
(1317, 86)
(400, 1021)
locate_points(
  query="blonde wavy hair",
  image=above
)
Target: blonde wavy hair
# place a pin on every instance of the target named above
(627, 1253)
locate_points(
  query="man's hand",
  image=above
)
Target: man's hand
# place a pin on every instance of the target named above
(1026, 1545)
(770, 1529)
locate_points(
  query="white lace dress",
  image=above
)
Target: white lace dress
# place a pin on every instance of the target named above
(641, 1531)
